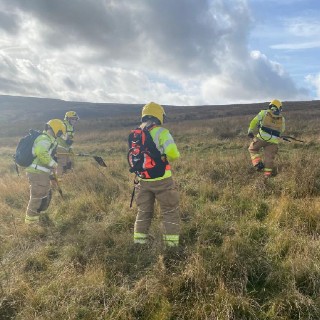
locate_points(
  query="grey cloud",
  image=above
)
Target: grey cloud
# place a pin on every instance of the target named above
(184, 36)
(184, 42)
(70, 83)
(82, 22)
(22, 80)
(272, 81)
(17, 87)
(9, 22)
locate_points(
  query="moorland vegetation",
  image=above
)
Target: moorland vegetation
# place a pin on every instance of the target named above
(250, 248)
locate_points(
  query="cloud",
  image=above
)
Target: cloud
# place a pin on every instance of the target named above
(178, 52)
(8, 23)
(304, 34)
(314, 80)
(297, 46)
(256, 78)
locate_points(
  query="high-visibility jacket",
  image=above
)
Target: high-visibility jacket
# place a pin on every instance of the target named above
(63, 143)
(166, 145)
(43, 149)
(270, 126)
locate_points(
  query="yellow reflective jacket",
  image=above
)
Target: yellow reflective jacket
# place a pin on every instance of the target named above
(69, 136)
(43, 149)
(265, 120)
(166, 145)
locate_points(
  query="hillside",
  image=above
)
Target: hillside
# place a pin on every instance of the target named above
(250, 248)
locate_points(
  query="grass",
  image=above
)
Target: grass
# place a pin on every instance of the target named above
(249, 248)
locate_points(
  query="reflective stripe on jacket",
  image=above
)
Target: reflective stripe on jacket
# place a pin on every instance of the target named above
(263, 135)
(42, 149)
(166, 145)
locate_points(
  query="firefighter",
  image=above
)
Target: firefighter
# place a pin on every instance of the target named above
(270, 124)
(64, 151)
(41, 169)
(160, 186)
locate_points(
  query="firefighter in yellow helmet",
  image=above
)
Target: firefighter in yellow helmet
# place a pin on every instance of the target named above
(65, 152)
(270, 124)
(42, 167)
(154, 175)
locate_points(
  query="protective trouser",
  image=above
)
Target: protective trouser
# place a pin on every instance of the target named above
(270, 151)
(166, 193)
(65, 162)
(40, 196)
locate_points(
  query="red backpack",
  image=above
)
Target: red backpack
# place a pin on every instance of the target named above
(144, 158)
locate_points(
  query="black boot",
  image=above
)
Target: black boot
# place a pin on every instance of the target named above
(259, 166)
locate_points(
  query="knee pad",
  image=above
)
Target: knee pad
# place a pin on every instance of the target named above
(68, 166)
(45, 202)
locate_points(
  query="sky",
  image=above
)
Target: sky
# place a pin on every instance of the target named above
(173, 52)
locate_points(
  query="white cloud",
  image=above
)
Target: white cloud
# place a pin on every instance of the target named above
(303, 27)
(297, 45)
(256, 78)
(314, 80)
(303, 33)
(178, 52)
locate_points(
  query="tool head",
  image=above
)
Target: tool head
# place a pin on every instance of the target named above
(100, 161)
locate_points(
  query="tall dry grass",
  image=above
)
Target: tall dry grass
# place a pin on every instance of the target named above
(249, 248)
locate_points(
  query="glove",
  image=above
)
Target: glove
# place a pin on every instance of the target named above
(251, 135)
(69, 142)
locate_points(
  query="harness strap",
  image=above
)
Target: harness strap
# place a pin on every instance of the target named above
(270, 131)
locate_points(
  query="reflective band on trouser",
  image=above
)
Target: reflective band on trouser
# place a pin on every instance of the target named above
(171, 240)
(255, 160)
(44, 169)
(267, 172)
(140, 237)
(31, 219)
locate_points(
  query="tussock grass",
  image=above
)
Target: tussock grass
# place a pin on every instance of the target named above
(249, 248)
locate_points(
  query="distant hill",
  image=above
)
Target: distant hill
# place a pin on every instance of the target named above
(28, 111)
(41, 108)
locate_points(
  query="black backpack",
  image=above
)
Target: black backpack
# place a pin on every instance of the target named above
(144, 159)
(23, 156)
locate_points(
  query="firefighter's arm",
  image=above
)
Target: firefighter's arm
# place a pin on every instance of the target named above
(253, 124)
(41, 151)
(169, 146)
(255, 121)
(62, 143)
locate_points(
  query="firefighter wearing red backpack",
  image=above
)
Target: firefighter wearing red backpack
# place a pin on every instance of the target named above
(64, 151)
(43, 165)
(151, 148)
(270, 124)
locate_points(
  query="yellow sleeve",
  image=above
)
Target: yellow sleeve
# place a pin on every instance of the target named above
(168, 145)
(255, 121)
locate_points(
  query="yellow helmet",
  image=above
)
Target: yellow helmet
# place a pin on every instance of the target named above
(155, 110)
(57, 126)
(71, 115)
(276, 103)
